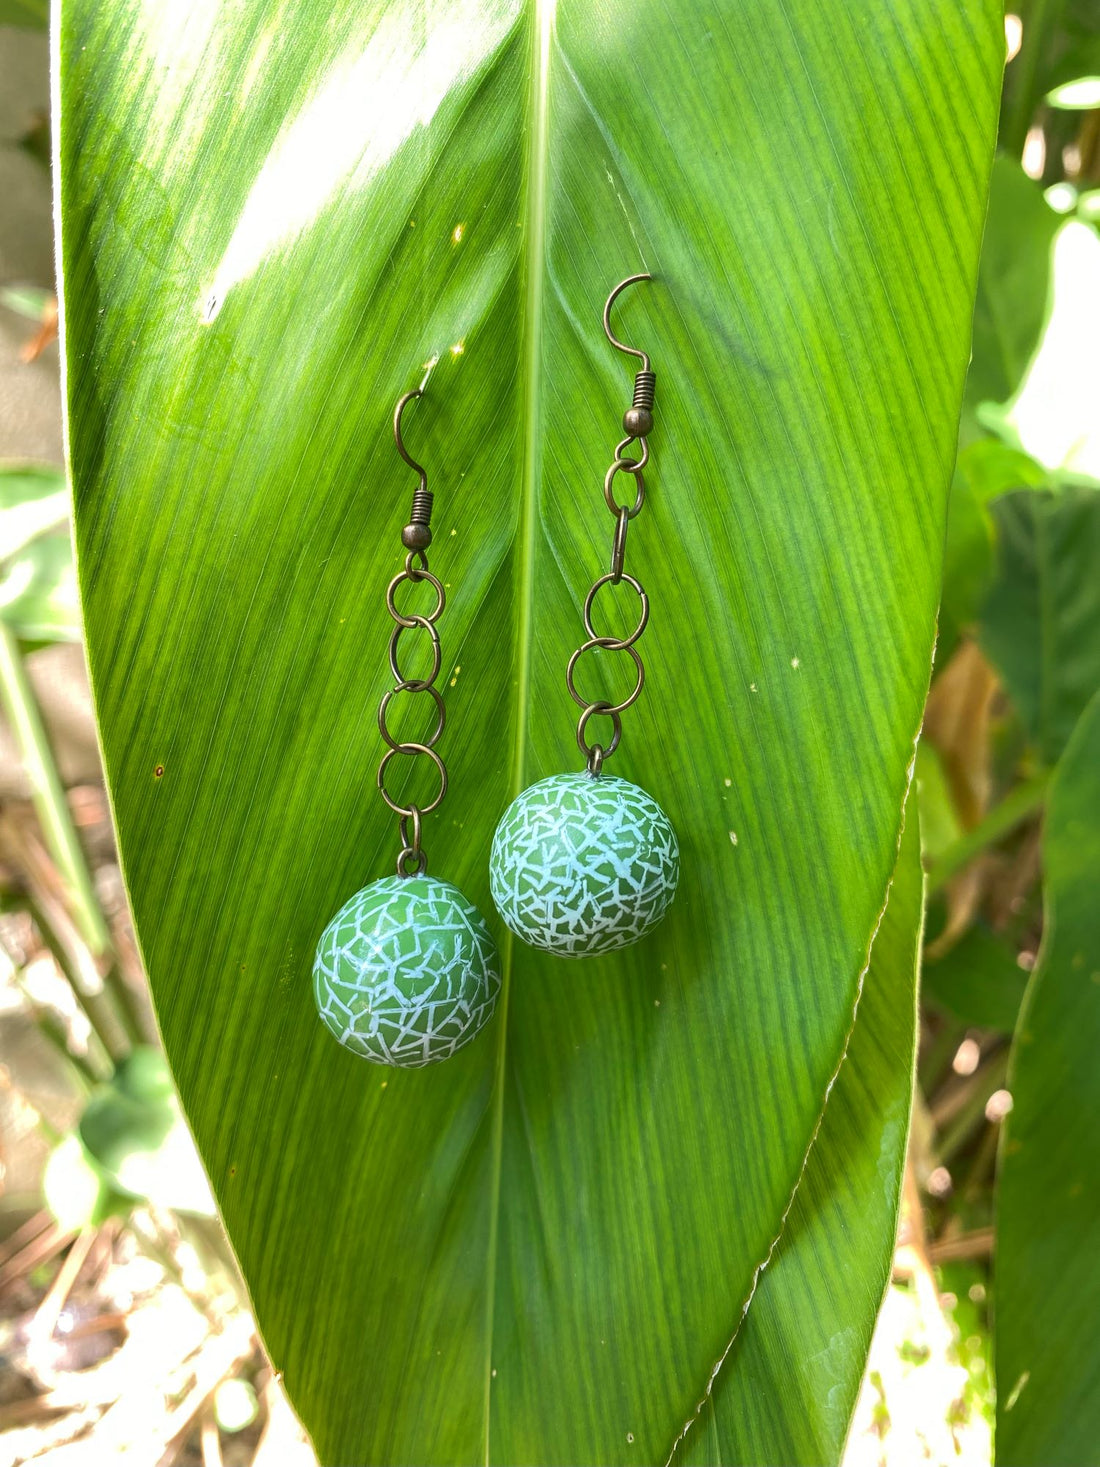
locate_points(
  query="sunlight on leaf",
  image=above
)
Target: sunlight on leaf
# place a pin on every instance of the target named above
(368, 103)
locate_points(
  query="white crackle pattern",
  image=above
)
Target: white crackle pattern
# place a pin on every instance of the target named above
(583, 865)
(406, 973)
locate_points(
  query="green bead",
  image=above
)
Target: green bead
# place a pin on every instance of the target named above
(583, 864)
(406, 973)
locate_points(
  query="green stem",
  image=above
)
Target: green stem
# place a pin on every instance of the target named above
(60, 834)
(129, 1012)
(49, 795)
(96, 1008)
(1021, 802)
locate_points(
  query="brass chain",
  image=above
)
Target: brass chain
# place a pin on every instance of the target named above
(412, 860)
(640, 414)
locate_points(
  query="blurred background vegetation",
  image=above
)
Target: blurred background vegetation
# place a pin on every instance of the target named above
(122, 1322)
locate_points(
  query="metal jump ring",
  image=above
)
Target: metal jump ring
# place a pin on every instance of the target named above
(441, 712)
(412, 843)
(407, 853)
(414, 576)
(407, 624)
(412, 749)
(618, 546)
(595, 710)
(643, 620)
(609, 644)
(621, 466)
(620, 450)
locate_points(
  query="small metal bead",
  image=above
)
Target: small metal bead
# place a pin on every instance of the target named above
(416, 537)
(638, 422)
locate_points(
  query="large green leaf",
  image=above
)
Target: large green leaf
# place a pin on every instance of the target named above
(1048, 1199)
(270, 219)
(788, 1386)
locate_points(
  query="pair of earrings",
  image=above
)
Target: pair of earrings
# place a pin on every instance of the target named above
(407, 971)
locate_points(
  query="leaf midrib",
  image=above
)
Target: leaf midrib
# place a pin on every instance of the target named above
(534, 258)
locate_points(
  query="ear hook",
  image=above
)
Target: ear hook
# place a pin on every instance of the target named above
(631, 351)
(638, 418)
(402, 450)
(417, 534)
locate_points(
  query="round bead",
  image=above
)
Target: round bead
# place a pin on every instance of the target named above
(416, 537)
(406, 973)
(638, 422)
(583, 865)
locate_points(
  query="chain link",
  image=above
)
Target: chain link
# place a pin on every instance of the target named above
(623, 463)
(412, 860)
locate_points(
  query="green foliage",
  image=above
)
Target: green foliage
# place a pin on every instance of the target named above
(28, 301)
(978, 980)
(33, 14)
(134, 1134)
(38, 599)
(992, 468)
(1048, 1289)
(1053, 414)
(1013, 283)
(131, 1144)
(1040, 624)
(540, 1250)
(968, 560)
(1061, 42)
(75, 1190)
(984, 470)
(939, 821)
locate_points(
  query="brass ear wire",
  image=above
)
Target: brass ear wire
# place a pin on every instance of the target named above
(402, 403)
(631, 351)
(417, 534)
(638, 418)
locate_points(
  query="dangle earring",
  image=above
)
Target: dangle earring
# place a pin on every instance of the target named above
(406, 973)
(586, 863)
